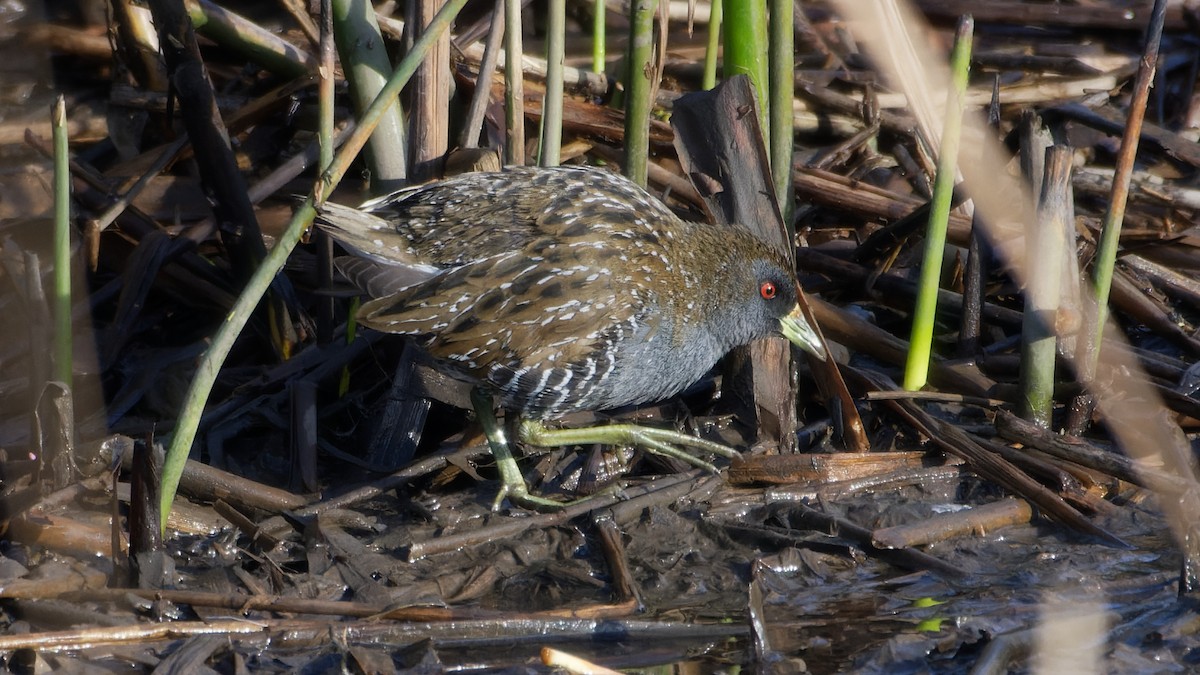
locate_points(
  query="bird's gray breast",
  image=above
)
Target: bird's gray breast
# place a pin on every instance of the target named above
(655, 363)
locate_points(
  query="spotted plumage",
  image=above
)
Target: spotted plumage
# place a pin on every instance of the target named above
(565, 288)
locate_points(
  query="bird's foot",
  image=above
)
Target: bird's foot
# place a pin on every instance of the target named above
(518, 493)
(665, 442)
(512, 483)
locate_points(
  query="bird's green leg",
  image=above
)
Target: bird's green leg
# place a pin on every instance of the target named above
(512, 483)
(664, 442)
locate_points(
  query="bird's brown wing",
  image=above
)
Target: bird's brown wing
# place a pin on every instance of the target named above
(536, 310)
(473, 216)
(543, 323)
(378, 279)
(367, 235)
(547, 272)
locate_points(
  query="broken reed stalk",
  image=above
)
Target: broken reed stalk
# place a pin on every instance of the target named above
(1110, 234)
(979, 257)
(550, 151)
(137, 37)
(916, 371)
(514, 85)
(222, 342)
(429, 97)
(1046, 242)
(245, 37)
(62, 244)
(638, 88)
(1034, 140)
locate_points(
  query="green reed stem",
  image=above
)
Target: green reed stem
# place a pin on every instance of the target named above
(599, 29)
(210, 364)
(1110, 233)
(746, 40)
(639, 86)
(783, 90)
(712, 54)
(916, 372)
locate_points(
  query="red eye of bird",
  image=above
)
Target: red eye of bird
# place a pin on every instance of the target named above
(767, 290)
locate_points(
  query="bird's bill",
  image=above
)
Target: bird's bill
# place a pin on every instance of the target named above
(800, 332)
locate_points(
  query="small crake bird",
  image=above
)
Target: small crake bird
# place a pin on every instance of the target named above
(564, 289)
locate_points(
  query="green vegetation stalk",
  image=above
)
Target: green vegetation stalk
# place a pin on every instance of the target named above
(916, 371)
(746, 40)
(638, 87)
(600, 10)
(210, 364)
(552, 102)
(1042, 289)
(713, 52)
(365, 63)
(783, 90)
(62, 244)
(1110, 234)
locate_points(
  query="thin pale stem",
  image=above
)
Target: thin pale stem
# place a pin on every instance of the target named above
(62, 244)
(1110, 234)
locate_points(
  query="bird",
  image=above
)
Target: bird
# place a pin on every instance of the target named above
(564, 289)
